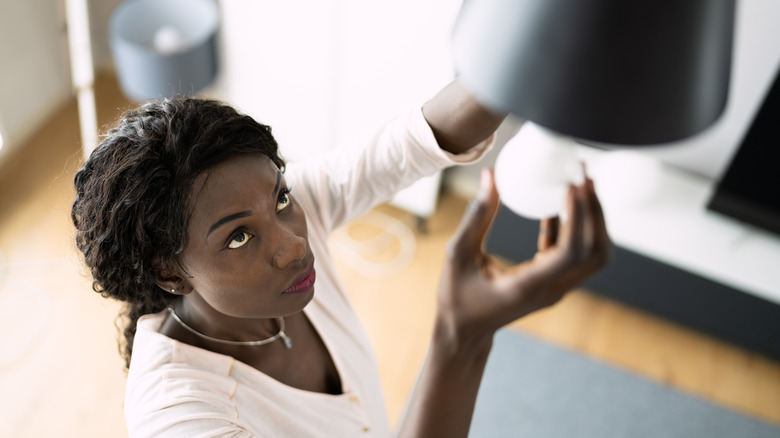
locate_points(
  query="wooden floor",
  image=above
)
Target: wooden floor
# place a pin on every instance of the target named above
(61, 374)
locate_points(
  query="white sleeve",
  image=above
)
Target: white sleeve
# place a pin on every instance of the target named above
(192, 420)
(179, 403)
(348, 181)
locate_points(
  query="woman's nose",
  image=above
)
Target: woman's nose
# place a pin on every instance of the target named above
(293, 250)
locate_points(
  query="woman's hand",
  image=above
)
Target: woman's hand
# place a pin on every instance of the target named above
(477, 296)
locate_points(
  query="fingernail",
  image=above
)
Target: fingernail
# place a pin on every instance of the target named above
(484, 184)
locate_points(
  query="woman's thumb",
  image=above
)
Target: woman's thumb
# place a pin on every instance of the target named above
(476, 221)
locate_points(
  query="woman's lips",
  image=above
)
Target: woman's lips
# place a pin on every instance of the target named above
(303, 283)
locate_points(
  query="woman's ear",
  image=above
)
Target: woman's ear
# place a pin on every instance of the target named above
(170, 277)
(170, 287)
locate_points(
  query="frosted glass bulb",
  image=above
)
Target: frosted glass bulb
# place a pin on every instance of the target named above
(533, 172)
(628, 177)
(169, 39)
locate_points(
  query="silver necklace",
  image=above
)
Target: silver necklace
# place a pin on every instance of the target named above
(281, 335)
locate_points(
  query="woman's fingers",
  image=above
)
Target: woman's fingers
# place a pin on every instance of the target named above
(570, 239)
(548, 233)
(554, 256)
(485, 294)
(474, 226)
(600, 247)
(581, 248)
(584, 246)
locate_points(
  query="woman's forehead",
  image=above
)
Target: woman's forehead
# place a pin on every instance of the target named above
(234, 183)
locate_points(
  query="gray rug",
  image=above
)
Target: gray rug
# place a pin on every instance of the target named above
(534, 389)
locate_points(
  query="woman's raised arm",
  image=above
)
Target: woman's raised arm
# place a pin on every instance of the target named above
(477, 296)
(458, 121)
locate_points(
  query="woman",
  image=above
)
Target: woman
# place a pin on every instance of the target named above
(187, 214)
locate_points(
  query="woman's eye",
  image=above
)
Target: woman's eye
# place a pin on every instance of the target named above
(284, 200)
(239, 240)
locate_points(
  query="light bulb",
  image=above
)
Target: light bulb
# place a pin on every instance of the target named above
(627, 178)
(533, 172)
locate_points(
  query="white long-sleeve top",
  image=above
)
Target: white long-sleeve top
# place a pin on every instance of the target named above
(178, 390)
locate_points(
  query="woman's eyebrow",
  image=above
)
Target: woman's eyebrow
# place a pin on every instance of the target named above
(227, 219)
(241, 214)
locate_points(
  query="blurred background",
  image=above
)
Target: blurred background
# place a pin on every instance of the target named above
(323, 74)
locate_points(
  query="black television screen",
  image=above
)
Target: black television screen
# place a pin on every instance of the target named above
(749, 190)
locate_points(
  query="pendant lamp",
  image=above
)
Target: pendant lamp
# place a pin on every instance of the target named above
(628, 73)
(635, 72)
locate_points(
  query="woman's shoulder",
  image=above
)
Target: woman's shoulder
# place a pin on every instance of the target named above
(169, 380)
(162, 365)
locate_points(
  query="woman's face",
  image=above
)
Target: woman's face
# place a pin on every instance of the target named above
(247, 246)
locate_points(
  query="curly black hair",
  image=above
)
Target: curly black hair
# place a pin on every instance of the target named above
(133, 194)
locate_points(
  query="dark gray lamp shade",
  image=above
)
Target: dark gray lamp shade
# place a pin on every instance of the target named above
(163, 48)
(629, 72)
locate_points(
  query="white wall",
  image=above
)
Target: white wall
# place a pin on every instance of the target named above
(34, 65)
(324, 73)
(34, 77)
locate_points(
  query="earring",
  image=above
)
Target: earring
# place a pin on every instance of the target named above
(173, 291)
